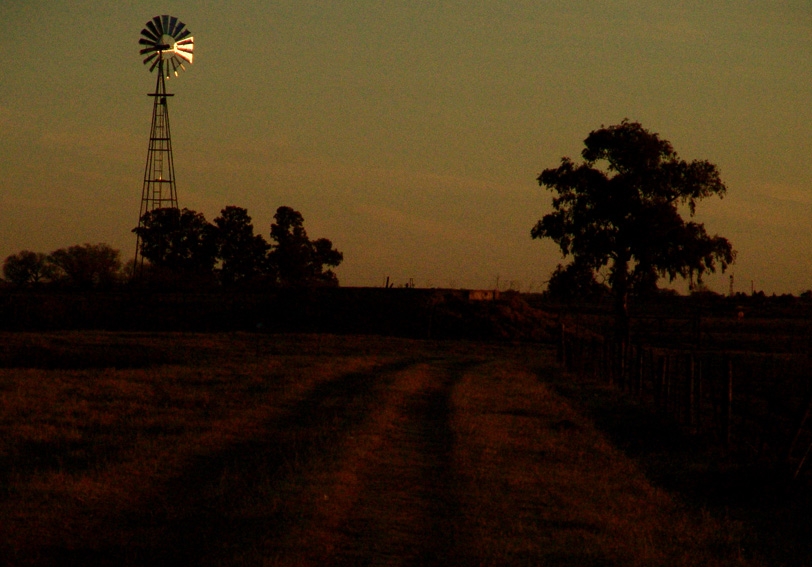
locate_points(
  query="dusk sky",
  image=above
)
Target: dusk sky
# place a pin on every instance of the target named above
(409, 133)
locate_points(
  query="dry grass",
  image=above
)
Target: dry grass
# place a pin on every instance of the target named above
(294, 450)
(558, 493)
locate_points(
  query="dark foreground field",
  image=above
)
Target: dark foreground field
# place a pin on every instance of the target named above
(240, 449)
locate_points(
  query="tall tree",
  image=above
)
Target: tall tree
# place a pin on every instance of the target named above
(87, 266)
(295, 259)
(27, 267)
(179, 240)
(620, 209)
(242, 253)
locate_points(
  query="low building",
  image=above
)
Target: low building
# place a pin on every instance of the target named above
(483, 294)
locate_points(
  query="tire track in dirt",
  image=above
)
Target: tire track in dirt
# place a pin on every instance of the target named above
(269, 470)
(392, 501)
(181, 524)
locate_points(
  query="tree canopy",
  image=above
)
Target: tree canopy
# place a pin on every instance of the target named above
(242, 254)
(182, 250)
(27, 268)
(86, 266)
(184, 242)
(295, 259)
(575, 281)
(178, 240)
(620, 208)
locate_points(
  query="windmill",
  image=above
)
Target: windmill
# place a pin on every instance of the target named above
(167, 45)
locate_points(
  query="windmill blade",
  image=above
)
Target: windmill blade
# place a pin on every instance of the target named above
(155, 63)
(149, 49)
(158, 25)
(186, 33)
(165, 24)
(151, 25)
(173, 21)
(185, 48)
(147, 42)
(188, 57)
(178, 30)
(149, 35)
(174, 63)
(150, 58)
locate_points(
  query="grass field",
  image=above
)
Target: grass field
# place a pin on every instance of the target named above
(241, 449)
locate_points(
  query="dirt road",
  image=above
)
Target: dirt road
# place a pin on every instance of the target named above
(379, 453)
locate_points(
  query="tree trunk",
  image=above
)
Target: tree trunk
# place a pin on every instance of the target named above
(620, 291)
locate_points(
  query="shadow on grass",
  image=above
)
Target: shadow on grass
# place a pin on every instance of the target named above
(95, 356)
(192, 519)
(776, 513)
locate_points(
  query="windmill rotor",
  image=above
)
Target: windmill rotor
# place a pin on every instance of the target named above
(166, 39)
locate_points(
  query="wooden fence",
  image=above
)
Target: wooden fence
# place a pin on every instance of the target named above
(755, 404)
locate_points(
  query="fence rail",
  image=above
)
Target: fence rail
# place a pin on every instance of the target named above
(754, 404)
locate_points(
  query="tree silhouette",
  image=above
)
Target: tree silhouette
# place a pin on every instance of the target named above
(87, 266)
(575, 281)
(619, 208)
(294, 258)
(243, 254)
(182, 241)
(27, 267)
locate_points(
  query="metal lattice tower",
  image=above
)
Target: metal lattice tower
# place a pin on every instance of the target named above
(167, 45)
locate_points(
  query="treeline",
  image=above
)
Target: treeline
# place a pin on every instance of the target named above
(180, 249)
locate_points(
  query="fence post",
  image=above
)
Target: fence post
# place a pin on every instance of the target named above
(607, 360)
(691, 389)
(580, 352)
(631, 368)
(698, 414)
(650, 369)
(594, 357)
(728, 416)
(659, 381)
(639, 371)
(569, 359)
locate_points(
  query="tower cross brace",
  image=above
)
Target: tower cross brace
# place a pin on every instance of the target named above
(159, 190)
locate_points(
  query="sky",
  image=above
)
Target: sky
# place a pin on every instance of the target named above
(409, 133)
